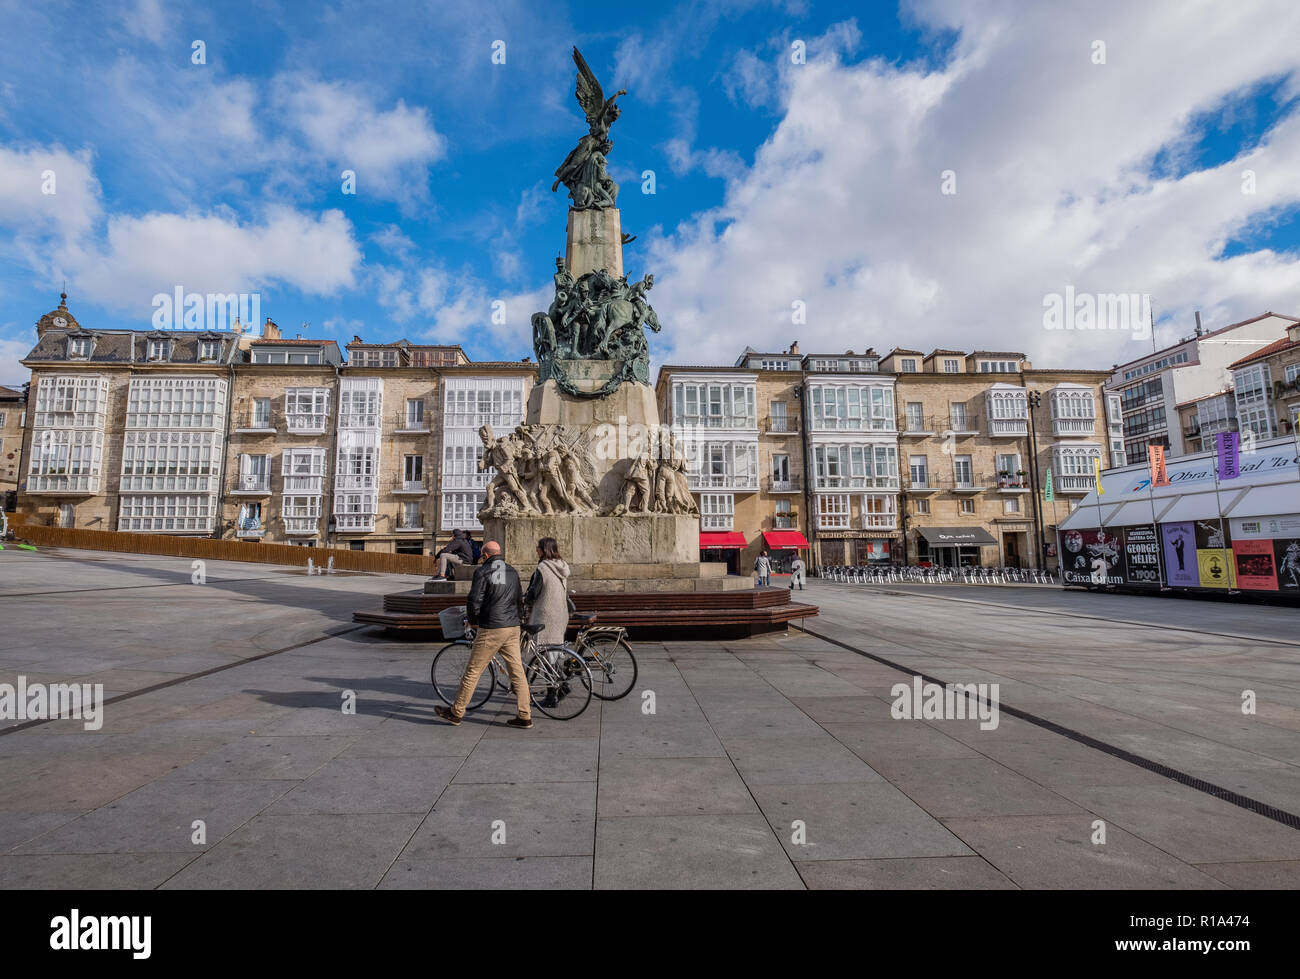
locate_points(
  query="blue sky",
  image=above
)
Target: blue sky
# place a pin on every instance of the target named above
(778, 183)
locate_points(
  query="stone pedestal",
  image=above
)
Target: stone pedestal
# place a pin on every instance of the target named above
(615, 423)
(595, 242)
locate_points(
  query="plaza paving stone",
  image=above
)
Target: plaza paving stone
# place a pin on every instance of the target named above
(765, 762)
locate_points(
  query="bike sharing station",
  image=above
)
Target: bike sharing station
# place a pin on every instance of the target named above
(591, 466)
(1224, 522)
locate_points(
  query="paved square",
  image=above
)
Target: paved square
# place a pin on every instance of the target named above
(228, 760)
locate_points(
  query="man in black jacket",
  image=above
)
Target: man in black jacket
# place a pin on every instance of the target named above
(459, 552)
(494, 608)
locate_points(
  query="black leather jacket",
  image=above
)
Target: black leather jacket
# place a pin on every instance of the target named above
(495, 596)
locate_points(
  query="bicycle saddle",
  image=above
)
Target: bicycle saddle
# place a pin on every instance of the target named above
(534, 629)
(587, 618)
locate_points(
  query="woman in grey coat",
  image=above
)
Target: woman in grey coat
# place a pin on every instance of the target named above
(548, 593)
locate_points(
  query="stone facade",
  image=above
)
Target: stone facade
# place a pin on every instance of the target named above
(966, 448)
(13, 410)
(293, 445)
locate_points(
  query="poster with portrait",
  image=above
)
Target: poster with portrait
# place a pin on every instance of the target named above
(1181, 570)
(1286, 556)
(1141, 556)
(1092, 557)
(1255, 564)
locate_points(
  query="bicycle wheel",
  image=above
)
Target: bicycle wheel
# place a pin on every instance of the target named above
(562, 690)
(612, 665)
(448, 668)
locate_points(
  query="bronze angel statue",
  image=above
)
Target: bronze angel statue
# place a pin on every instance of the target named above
(583, 170)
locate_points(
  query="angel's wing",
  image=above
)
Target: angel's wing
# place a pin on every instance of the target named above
(590, 95)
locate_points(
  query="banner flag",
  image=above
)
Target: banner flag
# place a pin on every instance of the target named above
(1096, 471)
(1047, 490)
(1156, 459)
(1229, 455)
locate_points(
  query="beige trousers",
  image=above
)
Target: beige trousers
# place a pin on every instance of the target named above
(487, 643)
(445, 561)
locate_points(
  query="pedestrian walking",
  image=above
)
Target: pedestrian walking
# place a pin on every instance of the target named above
(797, 569)
(548, 594)
(548, 603)
(763, 568)
(494, 608)
(459, 552)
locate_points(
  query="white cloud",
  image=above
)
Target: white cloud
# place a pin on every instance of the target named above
(142, 256)
(26, 175)
(389, 150)
(842, 207)
(12, 373)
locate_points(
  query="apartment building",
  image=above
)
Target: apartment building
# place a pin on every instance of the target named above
(1201, 419)
(271, 439)
(1266, 388)
(784, 447)
(978, 432)
(13, 419)
(474, 395)
(281, 442)
(849, 405)
(1152, 387)
(127, 428)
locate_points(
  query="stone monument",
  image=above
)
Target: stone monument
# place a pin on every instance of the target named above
(591, 465)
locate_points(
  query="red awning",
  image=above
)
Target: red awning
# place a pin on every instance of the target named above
(785, 538)
(729, 540)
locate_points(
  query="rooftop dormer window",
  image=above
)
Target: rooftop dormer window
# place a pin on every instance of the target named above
(79, 348)
(158, 349)
(209, 349)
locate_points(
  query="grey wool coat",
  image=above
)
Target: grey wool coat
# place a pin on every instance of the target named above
(548, 594)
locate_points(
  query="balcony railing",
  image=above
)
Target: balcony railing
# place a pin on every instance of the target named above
(404, 423)
(250, 483)
(852, 424)
(1074, 426)
(716, 421)
(791, 484)
(256, 426)
(402, 485)
(306, 485)
(301, 525)
(856, 482)
(1065, 483)
(63, 483)
(716, 521)
(864, 521)
(702, 481)
(455, 482)
(477, 419)
(1013, 483)
(351, 482)
(169, 483)
(781, 426)
(306, 423)
(1009, 427)
(349, 523)
(251, 532)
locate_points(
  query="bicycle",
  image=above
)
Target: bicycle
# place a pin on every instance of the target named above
(559, 680)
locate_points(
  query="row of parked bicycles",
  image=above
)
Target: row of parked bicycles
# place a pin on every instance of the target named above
(877, 574)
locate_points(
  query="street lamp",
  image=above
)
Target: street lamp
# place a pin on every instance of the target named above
(1035, 400)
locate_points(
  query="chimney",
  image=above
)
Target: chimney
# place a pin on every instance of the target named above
(270, 331)
(794, 348)
(1293, 332)
(1199, 331)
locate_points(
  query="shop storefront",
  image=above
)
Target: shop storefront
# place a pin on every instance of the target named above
(1199, 532)
(952, 547)
(722, 547)
(783, 546)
